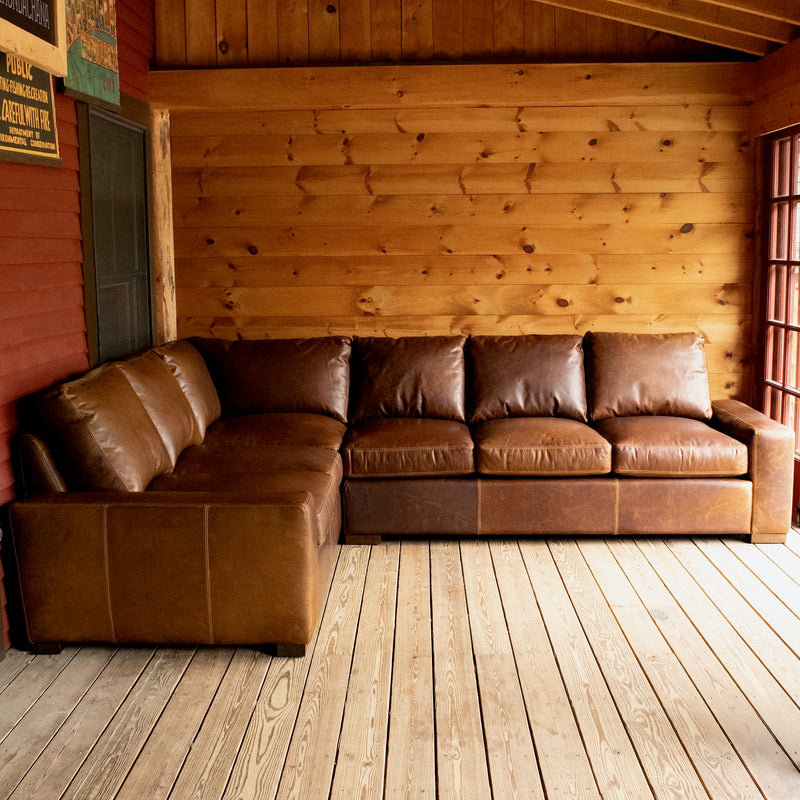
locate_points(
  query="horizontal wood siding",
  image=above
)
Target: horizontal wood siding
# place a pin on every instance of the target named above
(411, 219)
(136, 46)
(42, 326)
(42, 321)
(197, 33)
(41, 299)
(778, 102)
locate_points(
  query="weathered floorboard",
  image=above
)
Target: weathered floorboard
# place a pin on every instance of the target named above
(472, 669)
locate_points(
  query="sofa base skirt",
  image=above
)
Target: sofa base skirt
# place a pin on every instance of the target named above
(606, 506)
(169, 568)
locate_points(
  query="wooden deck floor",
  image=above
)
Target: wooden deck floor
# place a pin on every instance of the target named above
(558, 669)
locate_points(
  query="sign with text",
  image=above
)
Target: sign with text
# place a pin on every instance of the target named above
(27, 112)
(34, 16)
(36, 31)
(93, 67)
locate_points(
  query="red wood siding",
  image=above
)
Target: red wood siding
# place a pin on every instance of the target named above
(136, 46)
(42, 323)
(42, 328)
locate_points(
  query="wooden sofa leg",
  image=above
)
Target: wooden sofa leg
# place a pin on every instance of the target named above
(362, 538)
(287, 650)
(46, 648)
(768, 538)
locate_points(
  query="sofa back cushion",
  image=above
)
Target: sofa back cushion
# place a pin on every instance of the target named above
(526, 376)
(102, 428)
(632, 374)
(280, 375)
(191, 373)
(164, 401)
(414, 376)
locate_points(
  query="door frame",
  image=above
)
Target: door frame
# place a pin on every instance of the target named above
(135, 115)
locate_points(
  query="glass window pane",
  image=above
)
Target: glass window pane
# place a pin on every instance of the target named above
(796, 170)
(793, 295)
(775, 362)
(780, 231)
(790, 376)
(773, 404)
(796, 426)
(777, 293)
(795, 231)
(782, 171)
(789, 409)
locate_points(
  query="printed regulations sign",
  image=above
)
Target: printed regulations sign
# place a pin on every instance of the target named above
(27, 113)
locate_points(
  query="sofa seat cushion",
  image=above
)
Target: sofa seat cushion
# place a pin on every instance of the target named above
(540, 446)
(672, 447)
(254, 459)
(257, 430)
(318, 491)
(382, 448)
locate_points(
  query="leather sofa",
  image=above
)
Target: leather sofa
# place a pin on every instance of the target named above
(196, 493)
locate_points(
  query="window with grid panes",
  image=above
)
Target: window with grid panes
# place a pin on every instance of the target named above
(781, 396)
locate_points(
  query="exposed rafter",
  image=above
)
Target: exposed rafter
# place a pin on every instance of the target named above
(782, 10)
(736, 24)
(719, 17)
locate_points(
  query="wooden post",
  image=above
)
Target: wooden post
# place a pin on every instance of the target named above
(163, 246)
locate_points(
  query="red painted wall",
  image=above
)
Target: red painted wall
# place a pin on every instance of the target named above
(42, 323)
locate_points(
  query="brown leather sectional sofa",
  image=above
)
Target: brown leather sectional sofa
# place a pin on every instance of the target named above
(195, 493)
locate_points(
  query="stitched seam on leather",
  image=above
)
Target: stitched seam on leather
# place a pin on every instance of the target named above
(107, 575)
(207, 558)
(677, 474)
(103, 453)
(479, 526)
(752, 455)
(441, 474)
(616, 506)
(401, 449)
(753, 472)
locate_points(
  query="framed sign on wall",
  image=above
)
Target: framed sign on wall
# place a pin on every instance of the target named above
(27, 113)
(93, 66)
(36, 31)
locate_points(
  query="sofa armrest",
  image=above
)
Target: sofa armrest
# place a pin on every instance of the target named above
(173, 568)
(771, 455)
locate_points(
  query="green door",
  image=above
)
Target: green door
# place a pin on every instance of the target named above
(120, 235)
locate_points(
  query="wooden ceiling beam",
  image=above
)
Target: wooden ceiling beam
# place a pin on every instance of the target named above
(663, 21)
(750, 23)
(782, 10)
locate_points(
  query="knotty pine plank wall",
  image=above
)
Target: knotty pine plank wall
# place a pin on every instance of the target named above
(208, 33)
(421, 213)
